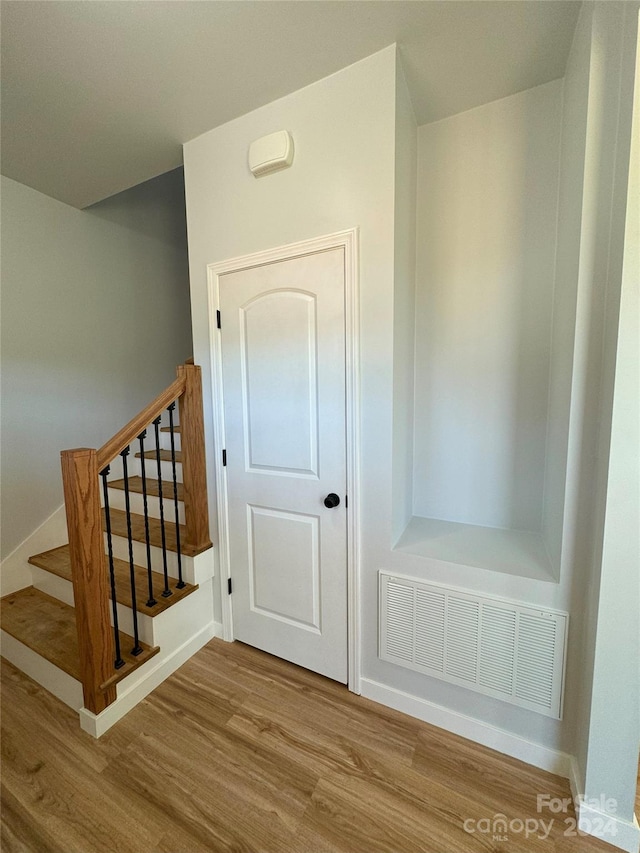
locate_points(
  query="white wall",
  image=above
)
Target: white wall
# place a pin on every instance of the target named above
(574, 129)
(95, 317)
(404, 299)
(346, 174)
(615, 683)
(562, 465)
(342, 177)
(487, 209)
(604, 417)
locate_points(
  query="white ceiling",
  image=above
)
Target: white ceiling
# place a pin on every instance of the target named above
(98, 95)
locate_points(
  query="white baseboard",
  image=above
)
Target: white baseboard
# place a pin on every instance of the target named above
(97, 724)
(554, 761)
(15, 572)
(574, 779)
(63, 686)
(611, 828)
(217, 629)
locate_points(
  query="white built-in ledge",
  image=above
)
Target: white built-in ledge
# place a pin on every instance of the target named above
(519, 553)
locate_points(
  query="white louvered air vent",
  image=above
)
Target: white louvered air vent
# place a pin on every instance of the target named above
(494, 646)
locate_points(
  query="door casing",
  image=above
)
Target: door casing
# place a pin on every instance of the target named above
(348, 240)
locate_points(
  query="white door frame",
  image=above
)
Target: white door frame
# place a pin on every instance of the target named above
(348, 240)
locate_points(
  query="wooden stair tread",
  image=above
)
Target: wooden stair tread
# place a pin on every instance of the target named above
(48, 627)
(165, 455)
(119, 528)
(176, 428)
(57, 561)
(135, 485)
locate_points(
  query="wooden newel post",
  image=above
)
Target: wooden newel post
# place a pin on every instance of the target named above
(193, 459)
(90, 579)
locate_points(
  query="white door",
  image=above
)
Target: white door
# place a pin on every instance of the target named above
(283, 369)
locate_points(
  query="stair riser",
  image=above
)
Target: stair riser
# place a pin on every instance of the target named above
(151, 467)
(133, 463)
(117, 501)
(145, 624)
(174, 627)
(121, 550)
(62, 589)
(167, 629)
(53, 585)
(171, 627)
(150, 441)
(165, 441)
(53, 679)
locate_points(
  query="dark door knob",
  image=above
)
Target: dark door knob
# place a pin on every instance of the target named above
(331, 500)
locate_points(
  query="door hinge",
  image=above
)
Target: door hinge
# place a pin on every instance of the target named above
(218, 320)
(224, 457)
(346, 501)
(229, 585)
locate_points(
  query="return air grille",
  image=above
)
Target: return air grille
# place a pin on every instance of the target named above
(491, 645)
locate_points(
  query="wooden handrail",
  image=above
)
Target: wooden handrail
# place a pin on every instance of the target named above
(132, 430)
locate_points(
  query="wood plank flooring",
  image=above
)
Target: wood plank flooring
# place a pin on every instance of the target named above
(239, 751)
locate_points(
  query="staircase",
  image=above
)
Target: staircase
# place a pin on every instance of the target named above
(128, 599)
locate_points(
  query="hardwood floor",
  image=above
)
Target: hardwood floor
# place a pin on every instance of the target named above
(239, 751)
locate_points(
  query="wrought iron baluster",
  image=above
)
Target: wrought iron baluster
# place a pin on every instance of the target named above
(181, 584)
(137, 648)
(166, 592)
(151, 602)
(112, 575)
